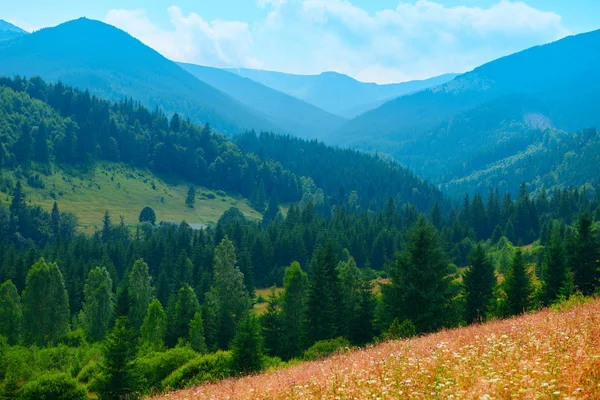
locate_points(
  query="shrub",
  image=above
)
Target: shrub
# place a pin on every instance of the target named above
(575, 300)
(53, 386)
(207, 368)
(324, 348)
(401, 330)
(153, 368)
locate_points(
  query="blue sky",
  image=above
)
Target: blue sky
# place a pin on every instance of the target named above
(372, 40)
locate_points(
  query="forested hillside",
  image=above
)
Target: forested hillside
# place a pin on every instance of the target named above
(108, 62)
(297, 117)
(494, 112)
(9, 31)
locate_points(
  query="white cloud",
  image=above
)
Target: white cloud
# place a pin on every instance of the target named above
(190, 38)
(414, 40)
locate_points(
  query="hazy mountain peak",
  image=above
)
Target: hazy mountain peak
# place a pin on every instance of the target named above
(8, 27)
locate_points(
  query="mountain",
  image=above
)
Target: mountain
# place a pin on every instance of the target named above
(486, 114)
(110, 63)
(298, 117)
(10, 31)
(337, 93)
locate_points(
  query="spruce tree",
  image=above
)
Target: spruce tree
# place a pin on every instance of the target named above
(190, 200)
(140, 293)
(45, 305)
(554, 269)
(246, 347)
(420, 289)
(180, 315)
(518, 286)
(227, 301)
(479, 282)
(118, 353)
(106, 227)
(323, 299)
(271, 325)
(197, 338)
(584, 256)
(99, 302)
(154, 327)
(295, 287)
(11, 315)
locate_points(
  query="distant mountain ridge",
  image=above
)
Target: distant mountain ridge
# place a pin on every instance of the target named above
(110, 63)
(9, 31)
(338, 93)
(298, 117)
(438, 131)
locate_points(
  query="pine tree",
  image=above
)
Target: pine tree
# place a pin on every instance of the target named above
(99, 302)
(41, 151)
(154, 327)
(272, 209)
(584, 256)
(11, 315)
(323, 299)
(554, 270)
(140, 293)
(295, 287)
(45, 305)
(420, 288)
(518, 286)
(55, 220)
(190, 200)
(362, 328)
(106, 227)
(271, 325)
(180, 315)
(246, 347)
(197, 339)
(227, 301)
(118, 351)
(479, 282)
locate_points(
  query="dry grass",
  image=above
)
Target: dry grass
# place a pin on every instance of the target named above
(547, 355)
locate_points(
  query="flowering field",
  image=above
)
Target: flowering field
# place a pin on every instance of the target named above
(548, 355)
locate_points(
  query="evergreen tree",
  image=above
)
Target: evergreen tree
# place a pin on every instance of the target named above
(227, 301)
(98, 307)
(190, 200)
(45, 305)
(584, 256)
(271, 325)
(41, 151)
(11, 315)
(147, 215)
(518, 286)
(323, 299)
(106, 227)
(246, 347)
(55, 220)
(272, 209)
(118, 351)
(295, 287)
(479, 282)
(554, 270)
(362, 328)
(140, 293)
(420, 289)
(197, 339)
(180, 315)
(154, 327)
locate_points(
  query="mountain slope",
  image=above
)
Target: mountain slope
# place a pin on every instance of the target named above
(10, 31)
(434, 131)
(337, 93)
(110, 63)
(488, 361)
(298, 117)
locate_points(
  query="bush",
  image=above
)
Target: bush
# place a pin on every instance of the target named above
(207, 368)
(54, 386)
(326, 348)
(401, 330)
(150, 370)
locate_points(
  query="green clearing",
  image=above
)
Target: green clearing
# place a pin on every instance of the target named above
(124, 190)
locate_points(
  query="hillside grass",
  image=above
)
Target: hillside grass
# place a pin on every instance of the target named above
(125, 190)
(547, 355)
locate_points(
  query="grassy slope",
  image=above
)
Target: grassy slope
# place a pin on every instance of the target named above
(125, 191)
(548, 355)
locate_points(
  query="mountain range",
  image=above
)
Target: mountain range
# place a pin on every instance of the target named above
(337, 93)
(9, 31)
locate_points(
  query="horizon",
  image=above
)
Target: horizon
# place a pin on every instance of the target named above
(391, 42)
